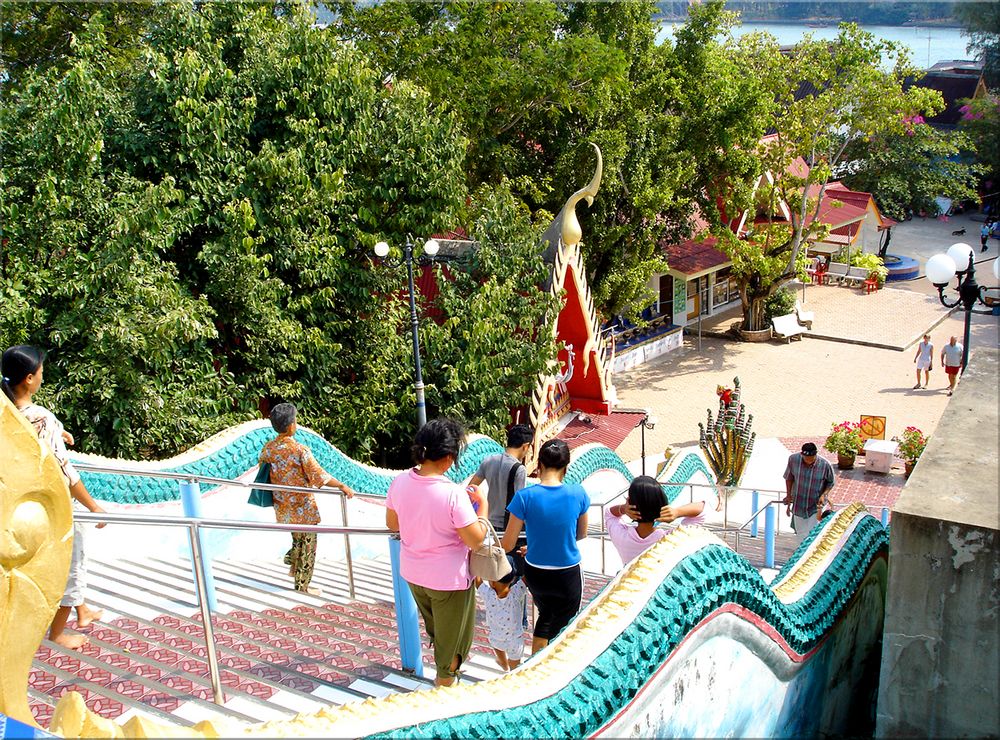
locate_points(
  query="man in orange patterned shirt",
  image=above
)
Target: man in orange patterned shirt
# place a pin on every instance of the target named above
(293, 464)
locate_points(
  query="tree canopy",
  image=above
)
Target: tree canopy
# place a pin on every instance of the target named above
(192, 234)
(825, 97)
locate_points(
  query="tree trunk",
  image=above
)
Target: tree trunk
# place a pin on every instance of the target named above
(753, 312)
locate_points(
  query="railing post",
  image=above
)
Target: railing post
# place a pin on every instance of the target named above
(407, 622)
(202, 586)
(754, 505)
(347, 546)
(769, 517)
(191, 505)
(885, 517)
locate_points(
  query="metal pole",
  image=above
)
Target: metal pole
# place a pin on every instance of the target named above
(201, 583)
(769, 516)
(418, 382)
(644, 444)
(754, 506)
(407, 623)
(191, 505)
(347, 547)
(965, 340)
(725, 506)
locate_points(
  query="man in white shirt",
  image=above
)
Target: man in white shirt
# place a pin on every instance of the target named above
(951, 359)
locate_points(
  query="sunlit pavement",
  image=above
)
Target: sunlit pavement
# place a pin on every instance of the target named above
(798, 390)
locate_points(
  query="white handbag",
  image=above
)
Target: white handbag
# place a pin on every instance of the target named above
(489, 561)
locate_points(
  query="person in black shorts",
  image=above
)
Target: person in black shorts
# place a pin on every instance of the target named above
(554, 515)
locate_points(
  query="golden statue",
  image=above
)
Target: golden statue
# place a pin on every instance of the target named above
(36, 542)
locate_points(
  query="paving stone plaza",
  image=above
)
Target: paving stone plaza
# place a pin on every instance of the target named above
(859, 361)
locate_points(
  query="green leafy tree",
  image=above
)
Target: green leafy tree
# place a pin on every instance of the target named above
(982, 22)
(532, 85)
(193, 233)
(484, 356)
(827, 96)
(981, 122)
(40, 35)
(906, 171)
(131, 366)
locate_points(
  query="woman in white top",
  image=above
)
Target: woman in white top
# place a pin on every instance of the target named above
(924, 359)
(22, 368)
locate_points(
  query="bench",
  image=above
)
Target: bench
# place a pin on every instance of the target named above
(837, 271)
(804, 317)
(787, 326)
(856, 276)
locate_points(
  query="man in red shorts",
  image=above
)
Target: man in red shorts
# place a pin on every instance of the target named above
(951, 359)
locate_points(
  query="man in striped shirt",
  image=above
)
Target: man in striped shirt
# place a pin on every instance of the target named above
(808, 480)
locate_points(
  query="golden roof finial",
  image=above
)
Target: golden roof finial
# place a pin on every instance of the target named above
(571, 231)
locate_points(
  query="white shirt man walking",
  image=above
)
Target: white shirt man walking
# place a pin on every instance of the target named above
(951, 359)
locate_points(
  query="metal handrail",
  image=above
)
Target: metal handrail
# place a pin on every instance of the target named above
(193, 526)
(194, 477)
(181, 521)
(719, 488)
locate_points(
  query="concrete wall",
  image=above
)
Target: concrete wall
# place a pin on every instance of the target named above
(940, 672)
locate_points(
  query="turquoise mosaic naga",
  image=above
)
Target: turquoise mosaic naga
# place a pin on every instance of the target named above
(686, 641)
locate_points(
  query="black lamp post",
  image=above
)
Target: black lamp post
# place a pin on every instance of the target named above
(941, 268)
(647, 422)
(430, 249)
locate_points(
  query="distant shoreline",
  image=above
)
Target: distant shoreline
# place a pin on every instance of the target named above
(829, 22)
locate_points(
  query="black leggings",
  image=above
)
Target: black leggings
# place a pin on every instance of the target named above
(557, 595)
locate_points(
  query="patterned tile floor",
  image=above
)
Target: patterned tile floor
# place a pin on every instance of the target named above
(159, 666)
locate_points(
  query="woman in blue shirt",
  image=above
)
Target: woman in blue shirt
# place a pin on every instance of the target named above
(554, 516)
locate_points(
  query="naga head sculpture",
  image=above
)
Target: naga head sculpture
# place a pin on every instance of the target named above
(36, 541)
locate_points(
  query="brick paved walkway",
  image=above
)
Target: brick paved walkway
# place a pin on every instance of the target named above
(845, 314)
(800, 389)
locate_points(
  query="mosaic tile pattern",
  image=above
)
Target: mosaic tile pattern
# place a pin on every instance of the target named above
(158, 664)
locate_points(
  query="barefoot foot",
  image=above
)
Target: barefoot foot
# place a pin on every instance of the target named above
(85, 616)
(70, 642)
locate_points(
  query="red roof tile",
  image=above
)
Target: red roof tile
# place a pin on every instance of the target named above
(694, 256)
(609, 431)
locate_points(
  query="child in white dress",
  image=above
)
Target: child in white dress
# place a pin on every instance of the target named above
(504, 602)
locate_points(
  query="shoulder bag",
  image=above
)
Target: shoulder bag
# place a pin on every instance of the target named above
(489, 561)
(262, 496)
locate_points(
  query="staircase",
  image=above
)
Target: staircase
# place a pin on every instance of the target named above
(280, 652)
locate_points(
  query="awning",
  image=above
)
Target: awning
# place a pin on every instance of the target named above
(610, 430)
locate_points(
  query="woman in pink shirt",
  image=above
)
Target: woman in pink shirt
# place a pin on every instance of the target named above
(437, 527)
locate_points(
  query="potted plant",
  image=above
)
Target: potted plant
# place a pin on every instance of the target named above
(911, 446)
(845, 440)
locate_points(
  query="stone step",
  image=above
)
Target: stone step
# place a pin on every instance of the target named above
(280, 652)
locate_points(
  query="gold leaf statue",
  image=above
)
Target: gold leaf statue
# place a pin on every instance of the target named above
(36, 542)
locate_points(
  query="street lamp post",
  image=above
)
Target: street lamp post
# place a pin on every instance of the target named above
(430, 249)
(942, 267)
(647, 422)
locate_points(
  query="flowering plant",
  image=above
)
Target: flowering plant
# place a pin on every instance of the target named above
(844, 439)
(911, 443)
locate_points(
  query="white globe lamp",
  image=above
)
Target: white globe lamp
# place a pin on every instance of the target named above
(960, 253)
(940, 268)
(431, 247)
(382, 249)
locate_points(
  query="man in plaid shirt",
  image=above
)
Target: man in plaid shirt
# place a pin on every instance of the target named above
(808, 480)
